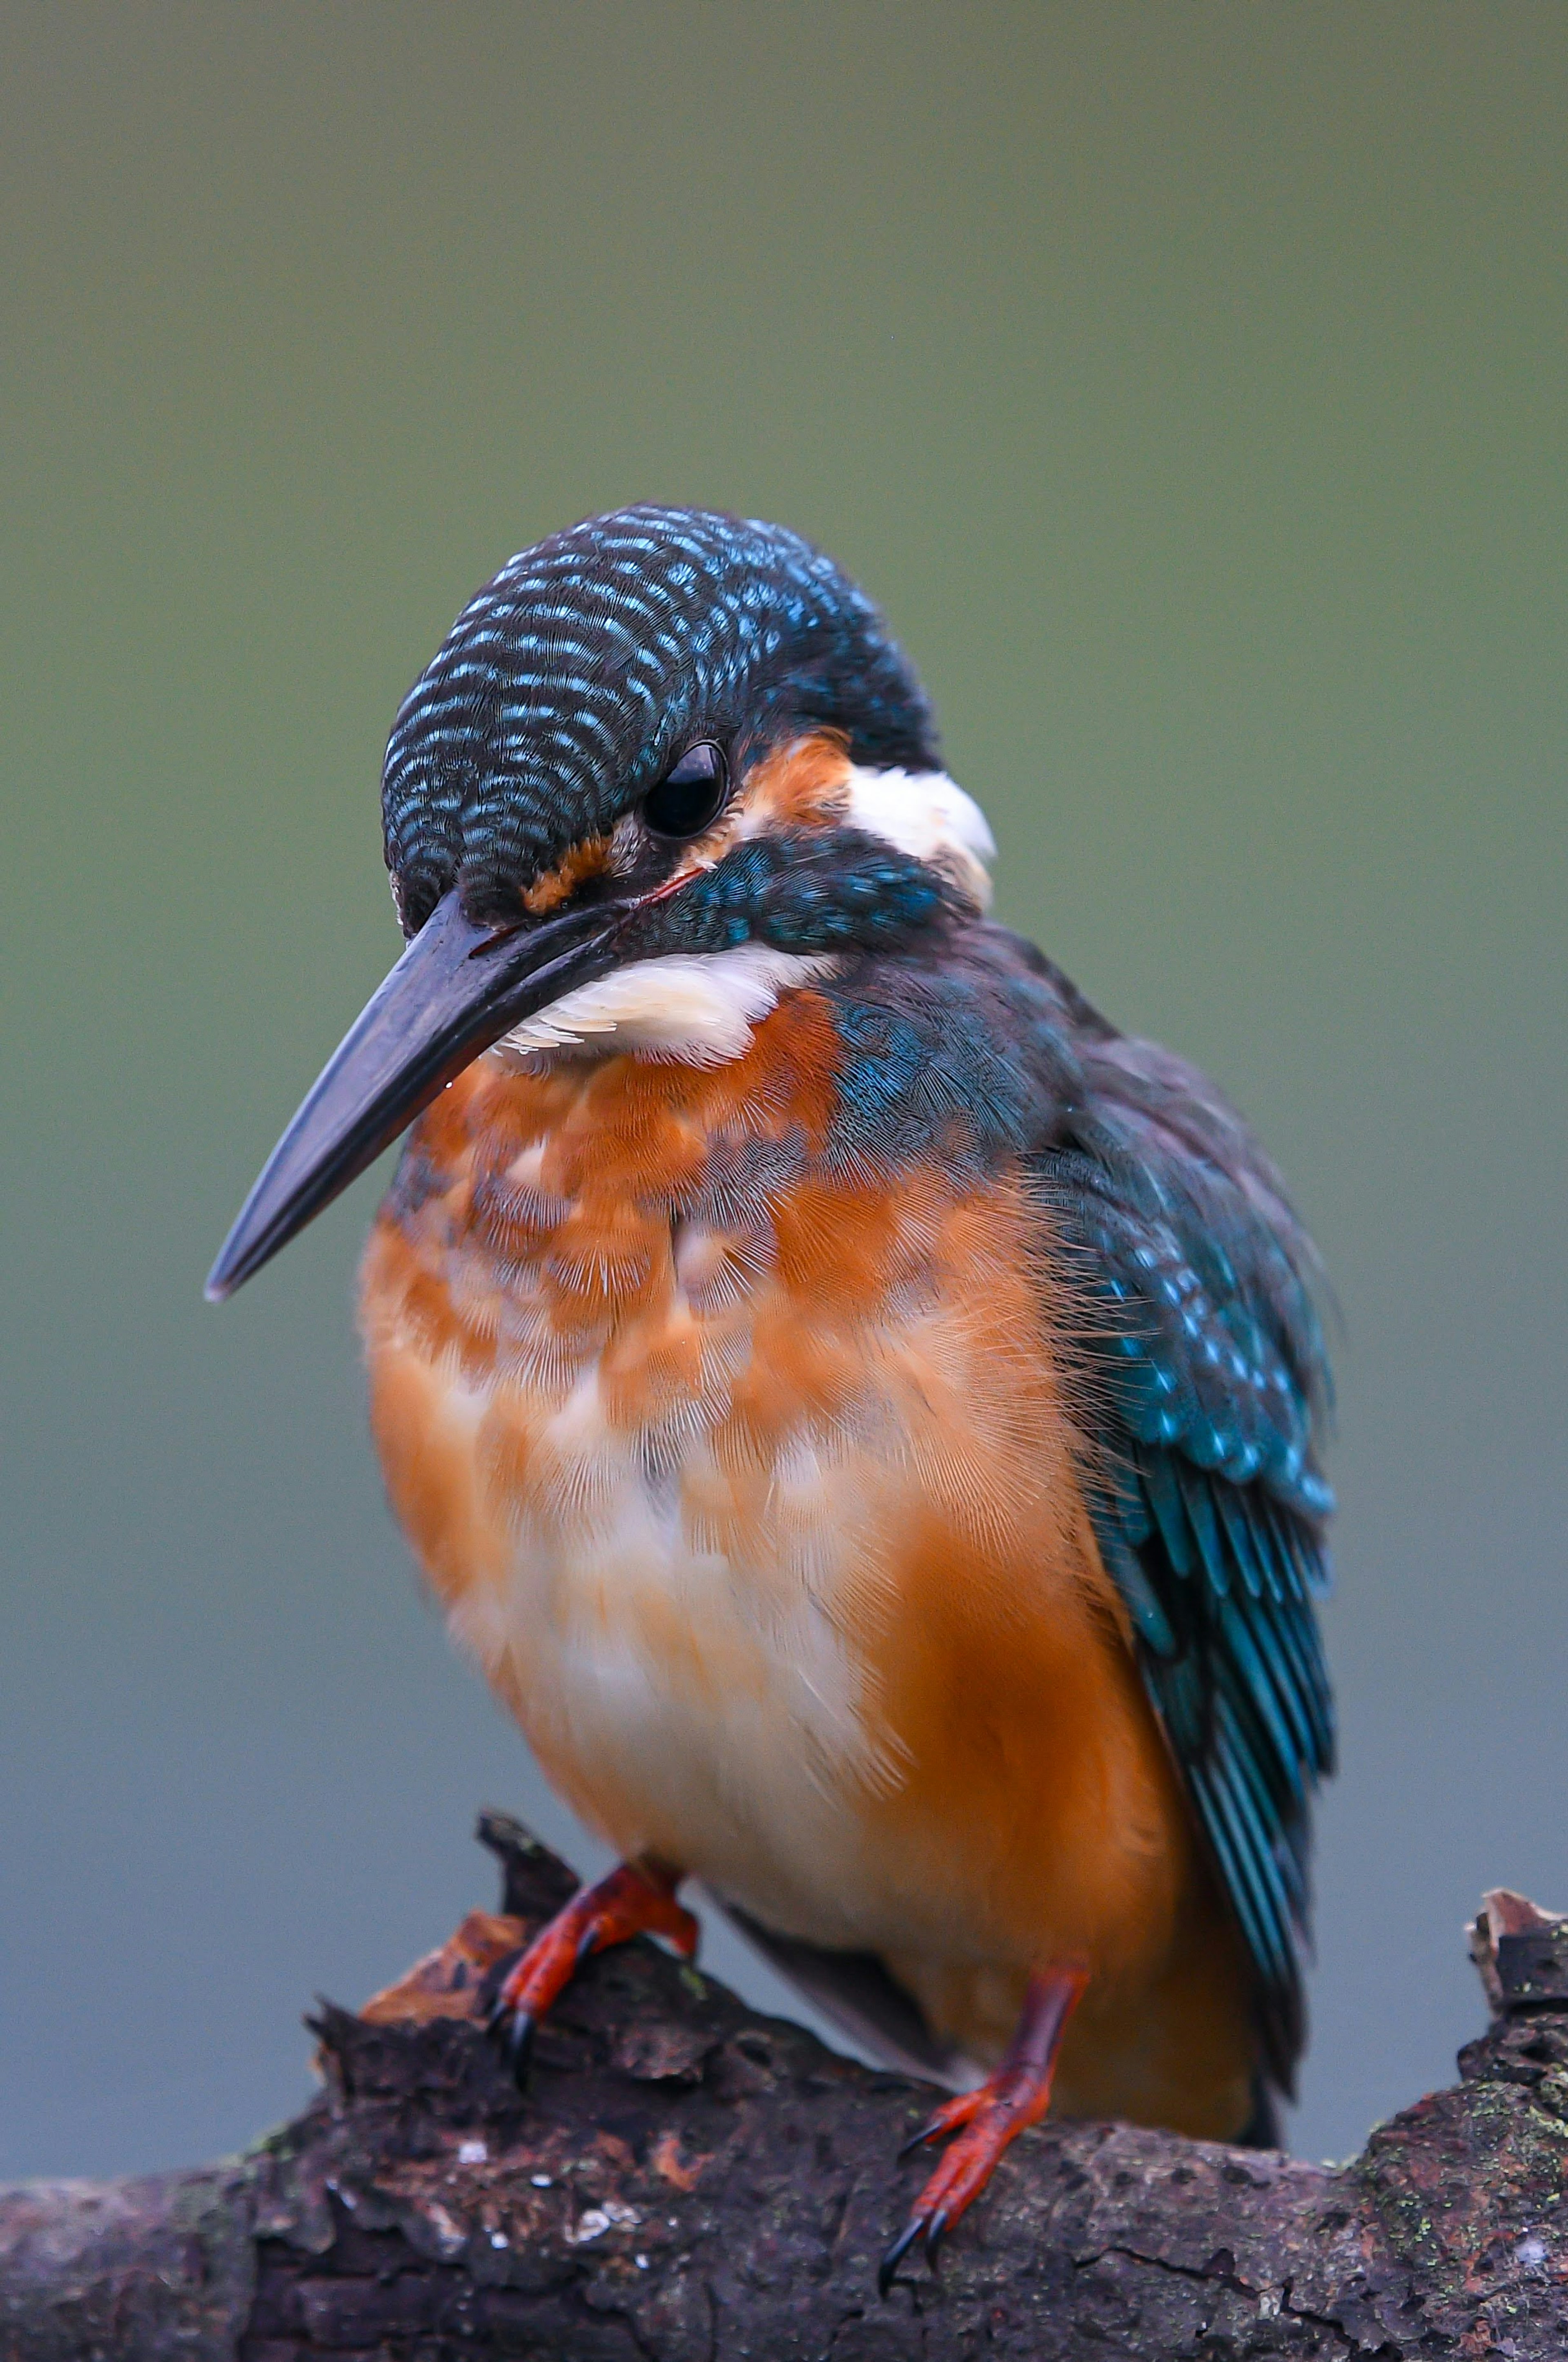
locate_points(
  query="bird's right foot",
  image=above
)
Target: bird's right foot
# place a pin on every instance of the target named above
(984, 2122)
(631, 1901)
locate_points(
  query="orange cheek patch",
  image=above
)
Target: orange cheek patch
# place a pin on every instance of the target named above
(800, 785)
(589, 860)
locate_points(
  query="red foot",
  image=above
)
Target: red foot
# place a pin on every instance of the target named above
(1017, 2094)
(628, 1902)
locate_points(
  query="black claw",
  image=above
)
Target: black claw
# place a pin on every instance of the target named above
(497, 2017)
(935, 2232)
(887, 2270)
(515, 2028)
(929, 2131)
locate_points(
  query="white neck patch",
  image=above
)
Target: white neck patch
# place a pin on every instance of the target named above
(699, 1007)
(928, 814)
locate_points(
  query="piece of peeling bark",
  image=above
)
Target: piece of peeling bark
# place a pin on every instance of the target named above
(687, 2180)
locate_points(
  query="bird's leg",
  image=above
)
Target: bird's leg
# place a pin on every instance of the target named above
(637, 1898)
(1016, 2094)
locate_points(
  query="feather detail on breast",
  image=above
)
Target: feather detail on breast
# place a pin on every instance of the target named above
(750, 1479)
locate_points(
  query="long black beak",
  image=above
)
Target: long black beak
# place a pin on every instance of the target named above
(456, 988)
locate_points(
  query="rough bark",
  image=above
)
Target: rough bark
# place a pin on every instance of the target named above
(688, 2182)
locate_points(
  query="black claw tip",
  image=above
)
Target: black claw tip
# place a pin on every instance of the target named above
(497, 2017)
(935, 2232)
(887, 2270)
(515, 2029)
(928, 2132)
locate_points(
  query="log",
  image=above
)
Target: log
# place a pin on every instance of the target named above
(688, 2182)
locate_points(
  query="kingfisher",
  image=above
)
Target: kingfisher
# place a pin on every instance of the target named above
(861, 1410)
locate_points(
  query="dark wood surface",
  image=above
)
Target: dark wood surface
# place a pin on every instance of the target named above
(687, 2181)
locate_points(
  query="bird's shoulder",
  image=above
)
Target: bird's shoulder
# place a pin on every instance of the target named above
(977, 1038)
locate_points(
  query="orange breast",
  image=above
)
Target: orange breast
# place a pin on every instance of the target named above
(754, 1486)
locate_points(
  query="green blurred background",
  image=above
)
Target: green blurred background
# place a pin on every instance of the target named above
(1189, 383)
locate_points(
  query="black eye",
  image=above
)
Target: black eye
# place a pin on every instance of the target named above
(691, 796)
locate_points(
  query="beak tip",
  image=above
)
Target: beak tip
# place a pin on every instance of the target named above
(221, 1281)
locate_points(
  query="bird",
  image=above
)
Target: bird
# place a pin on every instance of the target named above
(863, 1412)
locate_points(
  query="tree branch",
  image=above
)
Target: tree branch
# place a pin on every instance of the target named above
(688, 2182)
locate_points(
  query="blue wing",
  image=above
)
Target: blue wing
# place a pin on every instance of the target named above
(1207, 1383)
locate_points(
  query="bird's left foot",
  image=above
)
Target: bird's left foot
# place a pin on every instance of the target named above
(637, 1898)
(986, 2120)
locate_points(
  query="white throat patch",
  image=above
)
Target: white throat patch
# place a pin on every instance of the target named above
(699, 1007)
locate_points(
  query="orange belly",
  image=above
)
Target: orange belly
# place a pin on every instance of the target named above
(755, 1489)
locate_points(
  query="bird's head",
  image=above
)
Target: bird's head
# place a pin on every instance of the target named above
(664, 766)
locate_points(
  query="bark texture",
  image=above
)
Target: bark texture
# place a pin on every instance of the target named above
(686, 2181)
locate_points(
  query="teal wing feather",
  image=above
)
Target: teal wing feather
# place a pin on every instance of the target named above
(1208, 1386)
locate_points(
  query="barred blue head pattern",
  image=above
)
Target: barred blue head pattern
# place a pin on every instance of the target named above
(568, 684)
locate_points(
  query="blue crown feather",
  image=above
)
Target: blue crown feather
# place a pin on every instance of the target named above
(570, 682)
